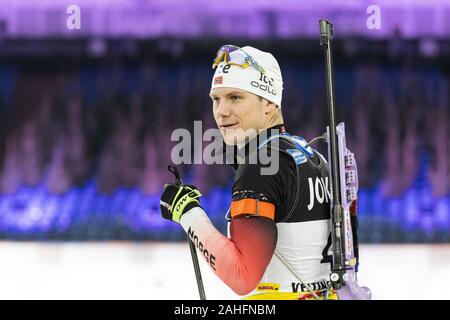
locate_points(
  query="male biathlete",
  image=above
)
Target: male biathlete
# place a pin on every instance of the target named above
(279, 223)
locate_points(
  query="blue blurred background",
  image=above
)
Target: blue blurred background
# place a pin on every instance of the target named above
(86, 114)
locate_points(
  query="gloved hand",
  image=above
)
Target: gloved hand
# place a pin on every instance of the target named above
(177, 199)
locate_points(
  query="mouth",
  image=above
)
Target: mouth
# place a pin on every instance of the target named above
(227, 126)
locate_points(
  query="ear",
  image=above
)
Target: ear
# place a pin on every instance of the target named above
(269, 107)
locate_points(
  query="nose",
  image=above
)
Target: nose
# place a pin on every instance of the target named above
(223, 109)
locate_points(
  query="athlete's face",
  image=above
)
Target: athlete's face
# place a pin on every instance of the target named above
(239, 114)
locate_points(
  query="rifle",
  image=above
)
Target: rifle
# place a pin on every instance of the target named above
(344, 182)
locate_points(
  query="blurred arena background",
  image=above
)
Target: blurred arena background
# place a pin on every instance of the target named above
(86, 117)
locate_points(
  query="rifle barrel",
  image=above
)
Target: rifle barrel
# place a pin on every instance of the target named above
(338, 265)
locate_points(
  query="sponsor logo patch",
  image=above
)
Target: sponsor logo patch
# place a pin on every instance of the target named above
(298, 156)
(268, 286)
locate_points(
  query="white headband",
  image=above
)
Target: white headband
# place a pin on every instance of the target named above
(268, 85)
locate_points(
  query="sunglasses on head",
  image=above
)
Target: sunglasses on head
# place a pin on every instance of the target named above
(236, 56)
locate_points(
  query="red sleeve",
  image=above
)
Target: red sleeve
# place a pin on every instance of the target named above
(240, 261)
(247, 253)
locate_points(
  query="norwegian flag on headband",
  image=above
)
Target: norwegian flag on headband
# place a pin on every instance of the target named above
(218, 80)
